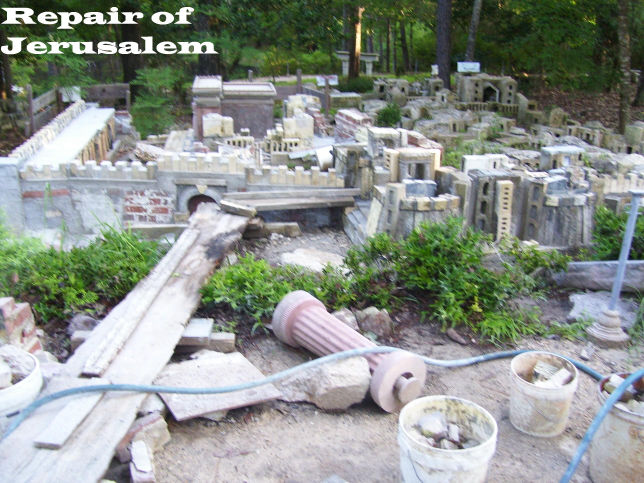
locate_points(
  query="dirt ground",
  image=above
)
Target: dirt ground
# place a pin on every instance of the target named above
(281, 442)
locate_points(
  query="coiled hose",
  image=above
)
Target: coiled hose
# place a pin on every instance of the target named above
(27, 411)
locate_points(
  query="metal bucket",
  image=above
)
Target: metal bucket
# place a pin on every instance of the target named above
(617, 449)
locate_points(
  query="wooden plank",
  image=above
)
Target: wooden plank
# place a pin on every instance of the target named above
(299, 203)
(44, 100)
(213, 370)
(69, 417)
(89, 450)
(241, 209)
(294, 193)
(129, 314)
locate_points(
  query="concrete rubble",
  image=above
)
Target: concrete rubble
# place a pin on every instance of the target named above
(589, 306)
(375, 321)
(347, 317)
(334, 387)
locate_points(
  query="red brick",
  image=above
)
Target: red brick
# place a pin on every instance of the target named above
(155, 201)
(34, 347)
(29, 333)
(128, 217)
(160, 210)
(41, 194)
(7, 305)
(18, 317)
(134, 209)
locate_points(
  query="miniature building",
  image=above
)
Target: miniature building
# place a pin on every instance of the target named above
(347, 122)
(553, 157)
(249, 104)
(486, 88)
(216, 125)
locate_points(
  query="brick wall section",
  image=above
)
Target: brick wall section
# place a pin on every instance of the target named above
(17, 326)
(148, 206)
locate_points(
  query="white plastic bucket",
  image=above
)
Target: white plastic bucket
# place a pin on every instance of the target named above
(19, 395)
(421, 462)
(617, 449)
(540, 411)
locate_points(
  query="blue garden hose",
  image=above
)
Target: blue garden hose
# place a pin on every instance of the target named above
(27, 411)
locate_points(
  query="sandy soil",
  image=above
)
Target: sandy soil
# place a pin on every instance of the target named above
(280, 442)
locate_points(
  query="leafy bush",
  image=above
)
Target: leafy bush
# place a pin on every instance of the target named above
(389, 116)
(317, 62)
(453, 155)
(609, 233)
(360, 84)
(254, 288)
(58, 283)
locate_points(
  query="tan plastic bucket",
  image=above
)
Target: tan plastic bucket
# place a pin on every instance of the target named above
(419, 461)
(540, 411)
(617, 449)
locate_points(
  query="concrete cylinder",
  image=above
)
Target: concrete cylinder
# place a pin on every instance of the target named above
(301, 320)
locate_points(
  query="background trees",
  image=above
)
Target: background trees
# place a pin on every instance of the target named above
(566, 43)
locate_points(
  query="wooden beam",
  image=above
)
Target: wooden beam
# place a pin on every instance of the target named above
(89, 450)
(293, 193)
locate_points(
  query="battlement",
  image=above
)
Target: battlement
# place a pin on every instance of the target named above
(105, 170)
(48, 133)
(229, 163)
(282, 176)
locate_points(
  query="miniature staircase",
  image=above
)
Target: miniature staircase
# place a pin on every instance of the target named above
(355, 223)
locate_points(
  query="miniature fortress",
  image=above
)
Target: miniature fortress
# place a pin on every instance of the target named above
(542, 183)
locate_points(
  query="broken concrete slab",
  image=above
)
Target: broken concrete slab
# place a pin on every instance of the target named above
(334, 386)
(5, 374)
(141, 468)
(312, 259)
(212, 369)
(600, 276)
(151, 429)
(589, 306)
(152, 404)
(374, 320)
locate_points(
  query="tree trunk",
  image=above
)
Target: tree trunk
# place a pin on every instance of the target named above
(132, 62)
(471, 35)
(394, 48)
(6, 79)
(346, 27)
(443, 41)
(388, 66)
(206, 63)
(638, 100)
(381, 51)
(403, 46)
(412, 54)
(624, 53)
(370, 42)
(356, 44)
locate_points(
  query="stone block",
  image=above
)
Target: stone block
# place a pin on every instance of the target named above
(419, 187)
(334, 386)
(374, 320)
(150, 429)
(347, 317)
(141, 468)
(590, 306)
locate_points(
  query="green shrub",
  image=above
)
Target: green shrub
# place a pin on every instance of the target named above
(440, 266)
(254, 288)
(360, 84)
(58, 283)
(609, 233)
(389, 116)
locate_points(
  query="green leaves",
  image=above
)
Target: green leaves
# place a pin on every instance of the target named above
(58, 283)
(389, 116)
(609, 233)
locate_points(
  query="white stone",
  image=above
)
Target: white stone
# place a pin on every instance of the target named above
(433, 425)
(334, 386)
(311, 258)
